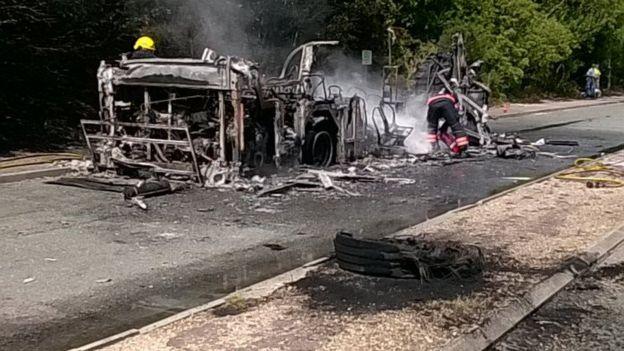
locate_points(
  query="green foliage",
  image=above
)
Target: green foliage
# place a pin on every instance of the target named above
(50, 49)
(537, 46)
(519, 44)
(597, 28)
(362, 24)
(49, 53)
(425, 20)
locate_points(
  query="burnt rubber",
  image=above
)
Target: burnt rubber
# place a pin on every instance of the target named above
(408, 259)
(347, 239)
(366, 262)
(366, 253)
(375, 271)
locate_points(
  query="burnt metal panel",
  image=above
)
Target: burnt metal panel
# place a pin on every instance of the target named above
(174, 75)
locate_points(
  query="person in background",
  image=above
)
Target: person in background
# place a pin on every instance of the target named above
(593, 81)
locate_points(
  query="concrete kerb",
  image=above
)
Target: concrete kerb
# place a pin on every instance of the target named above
(545, 110)
(507, 318)
(257, 291)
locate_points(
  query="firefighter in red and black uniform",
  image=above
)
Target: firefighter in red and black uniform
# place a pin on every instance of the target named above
(444, 106)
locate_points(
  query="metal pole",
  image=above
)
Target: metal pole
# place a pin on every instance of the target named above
(389, 48)
(170, 114)
(195, 164)
(221, 127)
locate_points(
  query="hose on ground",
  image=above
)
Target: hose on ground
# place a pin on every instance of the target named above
(594, 174)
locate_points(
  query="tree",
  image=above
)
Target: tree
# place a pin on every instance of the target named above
(520, 44)
(362, 24)
(597, 28)
(49, 55)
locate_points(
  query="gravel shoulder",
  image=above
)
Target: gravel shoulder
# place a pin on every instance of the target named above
(526, 235)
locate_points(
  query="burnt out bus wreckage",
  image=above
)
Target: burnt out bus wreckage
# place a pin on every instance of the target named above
(208, 119)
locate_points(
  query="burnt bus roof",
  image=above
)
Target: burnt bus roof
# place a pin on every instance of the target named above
(180, 73)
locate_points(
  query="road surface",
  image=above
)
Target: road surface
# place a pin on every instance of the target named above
(79, 265)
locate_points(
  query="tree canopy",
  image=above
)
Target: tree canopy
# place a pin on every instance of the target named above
(50, 49)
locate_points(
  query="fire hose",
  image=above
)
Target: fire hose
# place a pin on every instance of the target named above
(594, 173)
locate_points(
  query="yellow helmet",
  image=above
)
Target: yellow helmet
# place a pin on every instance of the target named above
(145, 43)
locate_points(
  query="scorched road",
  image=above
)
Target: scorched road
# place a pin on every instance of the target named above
(79, 265)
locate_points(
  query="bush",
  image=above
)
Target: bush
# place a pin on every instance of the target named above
(519, 44)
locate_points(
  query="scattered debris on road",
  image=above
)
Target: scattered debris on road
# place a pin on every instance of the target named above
(138, 202)
(150, 188)
(133, 191)
(275, 247)
(520, 179)
(266, 210)
(543, 142)
(90, 183)
(332, 308)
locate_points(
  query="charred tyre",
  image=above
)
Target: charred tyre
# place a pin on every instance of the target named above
(407, 258)
(319, 148)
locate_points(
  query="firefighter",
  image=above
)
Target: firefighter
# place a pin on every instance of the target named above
(143, 48)
(444, 106)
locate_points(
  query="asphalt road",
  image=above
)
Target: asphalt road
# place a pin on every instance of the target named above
(79, 265)
(587, 316)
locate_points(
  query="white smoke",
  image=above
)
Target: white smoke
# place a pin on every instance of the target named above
(415, 115)
(229, 27)
(350, 74)
(217, 24)
(354, 78)
(224, 26)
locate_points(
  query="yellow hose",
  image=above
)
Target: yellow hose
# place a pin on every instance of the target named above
(594, 172)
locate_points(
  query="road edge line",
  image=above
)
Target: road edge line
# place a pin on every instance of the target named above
(508, 318)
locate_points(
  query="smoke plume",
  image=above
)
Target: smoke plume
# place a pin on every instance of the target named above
(356, 79)
(232, 27)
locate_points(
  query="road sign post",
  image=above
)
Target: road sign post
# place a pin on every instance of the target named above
(367, 57)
